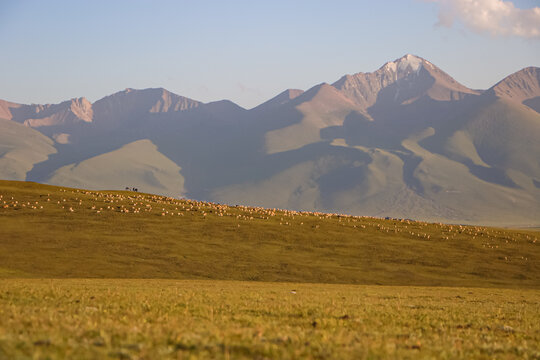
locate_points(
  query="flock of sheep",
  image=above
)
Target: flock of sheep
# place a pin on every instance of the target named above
(98, 202)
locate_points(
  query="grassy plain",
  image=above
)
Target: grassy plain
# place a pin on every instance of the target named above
(52, 232)
(150, 319)
(92, 275)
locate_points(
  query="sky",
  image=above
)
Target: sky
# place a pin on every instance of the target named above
(248, 51)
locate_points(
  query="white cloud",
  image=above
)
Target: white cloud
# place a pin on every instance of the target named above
(496, 17)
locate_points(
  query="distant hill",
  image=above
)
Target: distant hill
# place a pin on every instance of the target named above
(406, 140)
(53, 232)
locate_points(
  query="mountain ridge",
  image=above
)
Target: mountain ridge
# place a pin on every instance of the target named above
(523, 87)
(406, 140)
(365, 87)
(170, 102)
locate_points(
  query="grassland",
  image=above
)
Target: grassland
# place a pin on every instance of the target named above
(53, 232)
(123, 275)
(151, 319)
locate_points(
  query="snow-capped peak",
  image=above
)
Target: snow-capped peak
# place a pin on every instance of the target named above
(405, 65)
(392, 66)
(411, 61)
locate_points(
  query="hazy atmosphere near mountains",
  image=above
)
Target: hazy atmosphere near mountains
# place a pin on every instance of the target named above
(411, 109)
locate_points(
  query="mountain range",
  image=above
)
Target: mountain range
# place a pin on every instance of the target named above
(404, 141)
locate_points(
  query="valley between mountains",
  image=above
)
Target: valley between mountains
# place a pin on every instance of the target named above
(404, 141)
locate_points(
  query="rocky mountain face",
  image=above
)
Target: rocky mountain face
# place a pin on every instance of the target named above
(400, 82)
(404, 141)
(521, 87)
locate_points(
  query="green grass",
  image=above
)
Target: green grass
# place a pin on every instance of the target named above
(151, 319)
(167, 291)
(40, 237)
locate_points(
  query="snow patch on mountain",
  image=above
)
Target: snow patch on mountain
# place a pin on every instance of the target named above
(404, 66)
(409, 61)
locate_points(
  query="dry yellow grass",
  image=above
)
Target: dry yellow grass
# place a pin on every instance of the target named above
(151, 319)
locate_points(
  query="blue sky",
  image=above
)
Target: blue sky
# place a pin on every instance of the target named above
(245, 51)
